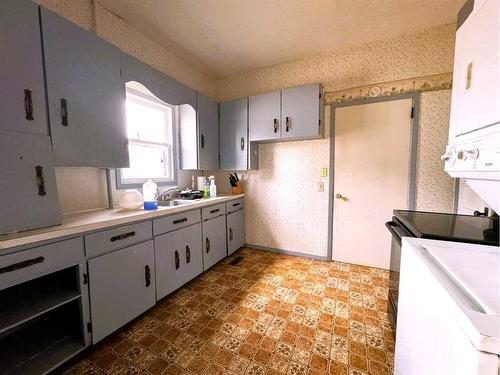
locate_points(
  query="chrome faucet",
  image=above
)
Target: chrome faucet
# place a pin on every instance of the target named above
(169, 194)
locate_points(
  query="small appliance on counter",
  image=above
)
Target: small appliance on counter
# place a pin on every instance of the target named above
(438, 226)
(191, 194)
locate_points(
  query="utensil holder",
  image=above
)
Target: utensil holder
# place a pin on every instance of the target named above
(238, 189)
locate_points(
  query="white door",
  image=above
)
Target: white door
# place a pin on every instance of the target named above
(371, 178)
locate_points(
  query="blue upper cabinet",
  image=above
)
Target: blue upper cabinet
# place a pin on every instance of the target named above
(234, 135)
(22, 91)
(86, 96)
(301, 113)
(208, 129)
(264, 116)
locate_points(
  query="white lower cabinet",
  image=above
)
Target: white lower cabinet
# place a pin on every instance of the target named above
(178, 259)
(214, 241)
(122, 286)
(235, 231)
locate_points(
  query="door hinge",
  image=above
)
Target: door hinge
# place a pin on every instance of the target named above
(85, 278)
(412, 112)
(89, 326)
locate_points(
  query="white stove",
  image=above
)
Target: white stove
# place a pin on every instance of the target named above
(449, 309)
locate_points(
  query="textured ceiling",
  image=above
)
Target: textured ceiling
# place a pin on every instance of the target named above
(225, 37)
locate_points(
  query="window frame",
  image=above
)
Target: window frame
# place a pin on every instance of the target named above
(135, 183)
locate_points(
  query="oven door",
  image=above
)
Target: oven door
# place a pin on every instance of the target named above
(398, 232)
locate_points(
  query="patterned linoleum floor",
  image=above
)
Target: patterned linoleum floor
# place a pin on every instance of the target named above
(268, 314)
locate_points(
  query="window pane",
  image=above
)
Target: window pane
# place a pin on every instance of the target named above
(146, 161)
(148, 121)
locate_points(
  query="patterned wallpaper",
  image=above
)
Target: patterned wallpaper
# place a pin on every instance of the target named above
(419, 54)
(284, 209)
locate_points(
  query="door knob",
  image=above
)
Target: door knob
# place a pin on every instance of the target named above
(339, 196)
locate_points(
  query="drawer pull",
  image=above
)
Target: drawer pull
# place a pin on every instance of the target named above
(230, 234)
(28, 105)
(207, 244)
(178, 221)
(188, 254)
(177, 260)
(40, 181)
(236, 204)
(214, 211)
(147, 275)
(64, 112)
(23, 264)
(123, 236)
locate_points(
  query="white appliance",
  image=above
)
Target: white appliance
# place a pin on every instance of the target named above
(449, 309)
(473, 150)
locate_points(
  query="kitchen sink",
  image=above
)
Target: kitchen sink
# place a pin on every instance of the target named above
(174, 202)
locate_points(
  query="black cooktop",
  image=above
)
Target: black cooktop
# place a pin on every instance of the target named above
(451, 227)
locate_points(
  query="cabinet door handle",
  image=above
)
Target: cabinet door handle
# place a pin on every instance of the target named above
(147, 275)
(188, 254)
(230, 234)
(177, 260)
(276, 127)
(40, 181)
(242, 144)
(178, 221)
(215, 210)
(202, 141)
(236, 204)
(122, 236)
(28, 104)
(207, 244)
(288, 123)
(23, 264)
(64, 112)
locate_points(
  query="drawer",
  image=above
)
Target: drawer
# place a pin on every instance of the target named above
(235, 205)
(117, 238)
(29, 264)
(213, 211)
(170, 223)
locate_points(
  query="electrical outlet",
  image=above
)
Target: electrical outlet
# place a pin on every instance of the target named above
(321, 186)
(324, 172)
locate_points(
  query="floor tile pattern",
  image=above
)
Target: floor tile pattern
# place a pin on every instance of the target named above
(267, 314)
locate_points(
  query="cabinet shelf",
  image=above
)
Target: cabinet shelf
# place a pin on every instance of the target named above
(43, 343)
(29, 300)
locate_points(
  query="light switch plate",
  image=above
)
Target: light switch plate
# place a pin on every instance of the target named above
(324, 172)
(321, 186)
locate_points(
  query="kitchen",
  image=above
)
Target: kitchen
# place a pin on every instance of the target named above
(287, 271)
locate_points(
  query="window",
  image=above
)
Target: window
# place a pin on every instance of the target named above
(150, 125)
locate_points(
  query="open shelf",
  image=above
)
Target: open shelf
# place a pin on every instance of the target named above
(43, 343)
(28, 300)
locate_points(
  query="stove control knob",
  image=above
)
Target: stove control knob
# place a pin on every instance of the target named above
(473, 153)
(461, 155)
(447, 156)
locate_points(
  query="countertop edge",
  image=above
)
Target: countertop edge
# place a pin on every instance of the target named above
(103, 220)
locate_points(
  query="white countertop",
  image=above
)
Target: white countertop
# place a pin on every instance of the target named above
(79, 223)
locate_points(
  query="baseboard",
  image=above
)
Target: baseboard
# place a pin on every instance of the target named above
(287, 252)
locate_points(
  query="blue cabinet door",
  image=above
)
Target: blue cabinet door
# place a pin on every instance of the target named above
(86, 96)
(301, 112)
(234, 135)
(122, 286)
(28, 192)
(22, 89)
(208, 129)
(264, 116)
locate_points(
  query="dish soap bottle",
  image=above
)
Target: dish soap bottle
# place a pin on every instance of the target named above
(206, 191)
(149, 194)
(213, 188)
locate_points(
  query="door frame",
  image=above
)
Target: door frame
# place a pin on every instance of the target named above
(415, 96)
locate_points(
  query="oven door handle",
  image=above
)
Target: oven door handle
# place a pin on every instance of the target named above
(396, 231)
